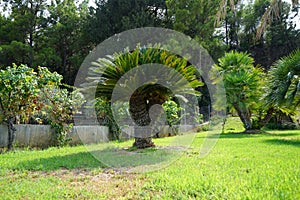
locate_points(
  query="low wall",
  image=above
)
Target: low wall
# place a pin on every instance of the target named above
(165, 131)
(42, 135)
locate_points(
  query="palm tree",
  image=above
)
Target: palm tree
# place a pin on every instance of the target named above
(108, 71)
(271, 13)
(242, 84)
(284, 83)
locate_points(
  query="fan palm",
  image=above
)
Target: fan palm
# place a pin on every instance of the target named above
(284, 82)
(242, 84)
(108, 71)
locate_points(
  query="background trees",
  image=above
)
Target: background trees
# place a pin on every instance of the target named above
(196, 19)
(114, 16)
(60, 34)
(46, 34)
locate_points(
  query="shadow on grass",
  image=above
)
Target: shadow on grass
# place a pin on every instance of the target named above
(259, 133)
(70, 161)
(282, 134)
(239, 135)
(293, 142)
(102, 158)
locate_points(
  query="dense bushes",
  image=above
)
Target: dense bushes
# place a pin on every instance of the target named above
(27, 94)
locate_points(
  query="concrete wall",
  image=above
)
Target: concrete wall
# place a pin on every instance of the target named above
(165, 131)
(41, 135)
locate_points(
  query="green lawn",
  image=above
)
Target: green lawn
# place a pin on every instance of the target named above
(240, 166)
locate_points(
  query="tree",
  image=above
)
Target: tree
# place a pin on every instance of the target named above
(62, 46)
(284, 84)
(281, 36)
(108, 71)
(196, 19)
(115, 16)
(19, 93)
(25, 92)
(251, 16)
(28, 20)
(272, 12)
(45, 33)
(242, 82)
(13, 48)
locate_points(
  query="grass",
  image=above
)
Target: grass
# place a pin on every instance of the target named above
(240, 166)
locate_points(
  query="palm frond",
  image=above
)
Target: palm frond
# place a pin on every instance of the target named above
(285, 81)
(109, 70)
(222, 11)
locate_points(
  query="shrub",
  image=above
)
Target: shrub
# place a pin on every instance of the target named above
(281, 126)
(172, 110)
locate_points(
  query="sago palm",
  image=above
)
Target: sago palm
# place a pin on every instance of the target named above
(108, 71)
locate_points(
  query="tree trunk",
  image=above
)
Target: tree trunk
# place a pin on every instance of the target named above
(245, 116)
(11, 133)
(142, 143)
(138, 109)
(268, 116)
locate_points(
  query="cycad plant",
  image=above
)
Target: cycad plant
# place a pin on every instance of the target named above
(242, 82)
(284, 83)
(108, 71)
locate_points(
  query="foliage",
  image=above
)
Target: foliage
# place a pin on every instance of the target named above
(57, 104)
(64, 40)
(61, 105)
(19, 93)
(284, 83)
(196, 19)
(199, 118)
(106, 72)
(105, 116)
(25, 92)
(114, 16)
(242, 82)
(44, 33)
(172, 110)
(59, 34)
(18, 86)
(203, 127)
(280, 126)
(263, 28)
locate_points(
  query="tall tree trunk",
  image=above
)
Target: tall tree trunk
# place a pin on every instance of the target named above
(11, 132)
(138, 109)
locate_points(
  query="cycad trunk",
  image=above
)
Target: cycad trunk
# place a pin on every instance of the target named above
(142, 143)
(139, 112)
